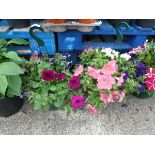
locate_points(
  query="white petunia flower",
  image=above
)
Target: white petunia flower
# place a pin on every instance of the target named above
(126, 56)
(115, 53)
(108, 52)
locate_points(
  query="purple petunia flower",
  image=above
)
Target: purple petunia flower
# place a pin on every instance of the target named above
(126, 75)
(77, 101)
(68, 65)
(52, 59)
(66, 55)
(26, 93)
(141, 87)
(140, 65)
(141, 72)
(74, 83)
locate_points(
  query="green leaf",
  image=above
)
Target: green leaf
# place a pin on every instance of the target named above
(53, 88)
(12, 55)
(14, 82)
(11, 92)
(18, 41)
(3, 84)
(10, 68)
(57, 104)
(46, 107)
(35, 85)
(37, 105)
(2, 42)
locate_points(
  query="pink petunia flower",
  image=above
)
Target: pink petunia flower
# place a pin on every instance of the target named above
(105, 82)
(91, 108)
(109, 68)
(122, 95)
(150, 83)
(89, 48)
(77, 101)
(105, 98)
(78, 71)
(34, 56)
(121, 80)
(93, 73)
(115, 95)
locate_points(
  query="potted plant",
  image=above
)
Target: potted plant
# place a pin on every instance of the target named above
(57, 21)
(86, 21)
(48, 83)
(144, 57)
(145, 23)
(18, 23)
(103, 74)
(10, 80)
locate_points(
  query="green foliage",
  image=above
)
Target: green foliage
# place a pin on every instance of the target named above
(97, 58)
(147, 55)
(47, 94)
(10, 81)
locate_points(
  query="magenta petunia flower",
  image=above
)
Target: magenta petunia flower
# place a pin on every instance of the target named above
(74, 83)
(150, 83)
(60, 76)
(77, 101)
(150, 79)
(48, 75)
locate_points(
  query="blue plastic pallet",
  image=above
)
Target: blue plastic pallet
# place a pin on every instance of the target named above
(71, 40)
(47, 37)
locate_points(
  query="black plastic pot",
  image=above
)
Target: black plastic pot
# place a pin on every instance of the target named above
(10, 106)
(18, 23)
(146, 23)
(115, 22)
(142, 95)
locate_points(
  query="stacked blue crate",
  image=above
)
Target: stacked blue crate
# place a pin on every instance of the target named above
(47, 37)
(71, 40)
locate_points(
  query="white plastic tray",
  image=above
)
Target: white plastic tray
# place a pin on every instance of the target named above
(70, 25)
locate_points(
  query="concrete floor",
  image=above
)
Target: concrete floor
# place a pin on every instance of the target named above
(138, 117)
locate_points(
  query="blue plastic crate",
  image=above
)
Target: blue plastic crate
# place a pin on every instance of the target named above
(71, 40)
(47, 37)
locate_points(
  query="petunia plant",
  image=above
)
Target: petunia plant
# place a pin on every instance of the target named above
(105, 75)
(48, 83)
(144, 61)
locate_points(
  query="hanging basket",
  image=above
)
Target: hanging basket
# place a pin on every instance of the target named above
(10, 105)
(144, 95)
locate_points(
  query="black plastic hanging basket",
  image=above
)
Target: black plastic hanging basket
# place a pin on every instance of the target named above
(10, 106)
